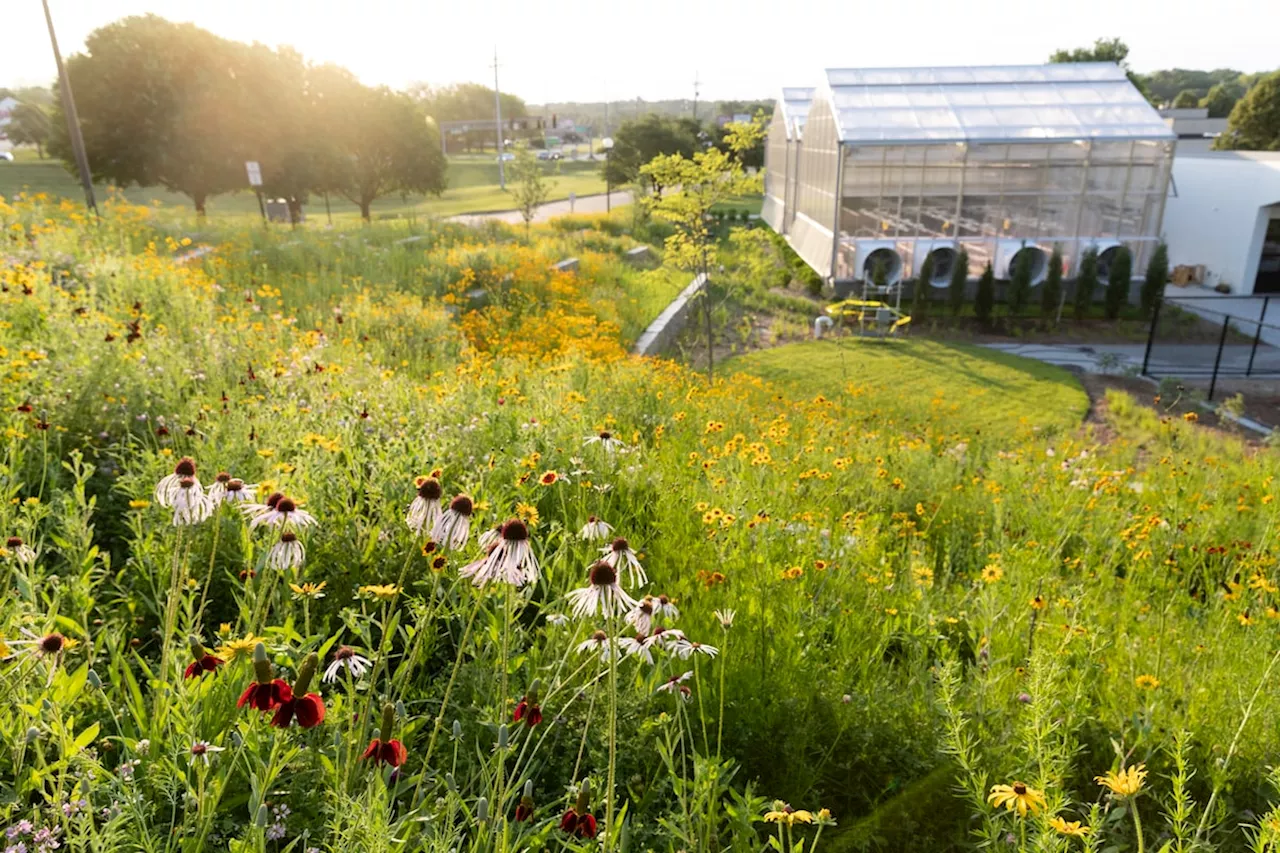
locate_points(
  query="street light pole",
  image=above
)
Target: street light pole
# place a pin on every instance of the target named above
(73, 120)
(497, 108)
(607, 143)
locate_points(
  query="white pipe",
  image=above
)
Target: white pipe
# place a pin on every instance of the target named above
(820, 324)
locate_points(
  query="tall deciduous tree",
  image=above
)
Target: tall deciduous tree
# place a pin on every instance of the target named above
(383, 142)
(638, 141)
(1254, 123)
(704, 180)
(1186, 99)
(1221, 99)
(30, 125)
(165, 103)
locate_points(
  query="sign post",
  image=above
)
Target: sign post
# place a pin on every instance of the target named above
(254, 171)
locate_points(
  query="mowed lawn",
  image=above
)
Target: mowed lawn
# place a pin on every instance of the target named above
(472, 187)
(953, 387)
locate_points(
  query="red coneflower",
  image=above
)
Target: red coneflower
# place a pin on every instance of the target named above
(307, 708)
(528, 711)
(203, 662)
(579, 821)
(382, 748)
(265, 693)
(524, 809)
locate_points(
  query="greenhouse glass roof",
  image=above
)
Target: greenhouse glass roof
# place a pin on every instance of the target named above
(795, 108)
(1078, 100)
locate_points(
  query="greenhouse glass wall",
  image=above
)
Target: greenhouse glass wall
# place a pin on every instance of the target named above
(994, 161)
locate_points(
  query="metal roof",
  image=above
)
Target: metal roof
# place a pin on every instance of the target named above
(1074, 100)
(796, 101)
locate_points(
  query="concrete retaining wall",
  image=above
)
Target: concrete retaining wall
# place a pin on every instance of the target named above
(670, 322)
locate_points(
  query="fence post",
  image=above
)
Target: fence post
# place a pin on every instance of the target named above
(1266, 300)
(1151, 335)
(1222, 342)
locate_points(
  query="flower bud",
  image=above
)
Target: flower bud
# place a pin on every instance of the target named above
(534, 692)
(503, 736)
(450, 783)
(457, 729)
(528, 788)
(263, 817)
(94, 681)
(197, 648)
(388, 722)
(584, 797)
(261, 664)
(306, 672)
(482, 810)
(33, 734)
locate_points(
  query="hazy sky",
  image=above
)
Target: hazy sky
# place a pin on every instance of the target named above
(605, 49)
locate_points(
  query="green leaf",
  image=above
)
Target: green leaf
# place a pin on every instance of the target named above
(85, 738)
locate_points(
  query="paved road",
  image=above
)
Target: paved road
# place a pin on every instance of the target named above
(583, 204)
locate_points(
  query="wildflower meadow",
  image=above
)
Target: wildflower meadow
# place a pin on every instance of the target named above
(379, 539)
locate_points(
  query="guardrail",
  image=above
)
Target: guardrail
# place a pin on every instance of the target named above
(1247, 345)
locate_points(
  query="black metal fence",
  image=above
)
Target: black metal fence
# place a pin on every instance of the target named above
(1243, 339)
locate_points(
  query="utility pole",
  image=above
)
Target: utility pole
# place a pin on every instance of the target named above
(695, 96)
(497, 109)
(73, 120)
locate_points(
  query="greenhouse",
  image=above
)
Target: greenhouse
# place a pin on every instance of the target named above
(996, 161)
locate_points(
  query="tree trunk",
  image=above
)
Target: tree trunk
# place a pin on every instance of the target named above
(295, 211)
(364, 210)
(40, 150)
(199, 198)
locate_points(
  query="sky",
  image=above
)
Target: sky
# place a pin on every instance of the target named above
(596, 50)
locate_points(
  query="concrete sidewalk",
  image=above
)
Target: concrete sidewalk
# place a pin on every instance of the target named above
(582, 204)
(1166, 359)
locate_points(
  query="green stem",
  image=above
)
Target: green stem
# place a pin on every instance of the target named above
(724, 651)
(1137, 823)
(611, 830)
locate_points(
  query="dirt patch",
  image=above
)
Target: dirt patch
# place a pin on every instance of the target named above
(1146, 393)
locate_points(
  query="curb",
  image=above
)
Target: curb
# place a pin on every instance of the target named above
(670, 321)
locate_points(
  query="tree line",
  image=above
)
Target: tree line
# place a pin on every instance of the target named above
(172, 105)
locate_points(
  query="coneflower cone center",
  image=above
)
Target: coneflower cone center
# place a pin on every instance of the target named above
(1019, 788)
(223, 478)
(461, 505)
(620, 545)
(285, 505)
(51, 644)
(274, 500)
(430, 489)
(186, 467)
(515, 531)
(602, 574)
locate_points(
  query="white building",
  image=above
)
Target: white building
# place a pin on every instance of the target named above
(1223, 213)
(1193, 127)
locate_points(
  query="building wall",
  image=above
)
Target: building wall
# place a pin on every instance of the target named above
(1217, 215)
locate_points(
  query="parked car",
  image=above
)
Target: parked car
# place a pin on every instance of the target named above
(6, 156)
(505, 157)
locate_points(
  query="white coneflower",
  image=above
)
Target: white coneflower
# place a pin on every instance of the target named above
(454, 524)
(489, 538)
(231, 490)
(424, 512)
(190, 505)
(667, 638)
(557, 619)
(641, 616)
(595, 530)
(619, 554)
(685, 648)
(602, 595)
(598, 643)
(726, 617)
(346, 658)
(218, 488)
(284, 514)
(636, 646)
(202, 749)
(17, 549)
(605, 439)
(165, 489)
(665, 608)
(510, 561)
(676, 684)
(287, 553)
(252, 510)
